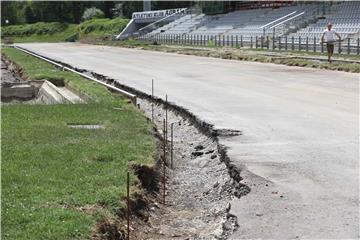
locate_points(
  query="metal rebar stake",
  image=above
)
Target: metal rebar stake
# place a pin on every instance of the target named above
(164, 162)
(152, 100)
(166, 119)
(128, 205)
(172, 145)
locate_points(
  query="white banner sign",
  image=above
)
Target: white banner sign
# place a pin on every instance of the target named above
(156, 14)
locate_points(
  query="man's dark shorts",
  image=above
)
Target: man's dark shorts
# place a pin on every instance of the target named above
(330, 48)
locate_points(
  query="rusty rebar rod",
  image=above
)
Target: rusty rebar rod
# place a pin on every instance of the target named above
(166, 119)
(152, 100)
(164, 163)
(128, 205)
(172, 145)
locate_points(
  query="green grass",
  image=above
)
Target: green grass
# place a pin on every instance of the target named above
(102, 26)
(49, 171)
(309, 53)
(36, 28)
(40, 32)
(68, 33)
(61, 32)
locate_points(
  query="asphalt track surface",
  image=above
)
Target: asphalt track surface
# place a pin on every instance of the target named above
(299, 149)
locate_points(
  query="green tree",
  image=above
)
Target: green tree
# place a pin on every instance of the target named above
(12, 12)
(158, 5)
(132, 6)
(76, 10)
(29, 15)
(53, 11)
(107, 9)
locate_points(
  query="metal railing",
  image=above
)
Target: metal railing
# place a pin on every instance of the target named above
(278, 19)
(278, 43)
(163, 20)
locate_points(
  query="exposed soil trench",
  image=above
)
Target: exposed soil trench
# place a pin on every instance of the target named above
(198, 187)
(201, 184)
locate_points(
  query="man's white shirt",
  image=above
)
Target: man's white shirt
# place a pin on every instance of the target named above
(329, 35)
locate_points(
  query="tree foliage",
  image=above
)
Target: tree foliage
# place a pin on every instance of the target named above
(91, 13)
(29, 15)
(20, 12)
(11, 12)
(158, 5)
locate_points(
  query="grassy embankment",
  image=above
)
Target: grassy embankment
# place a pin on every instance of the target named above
(60, 32)
(58, 182)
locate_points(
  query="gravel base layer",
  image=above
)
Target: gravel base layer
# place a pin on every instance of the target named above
(198, 189)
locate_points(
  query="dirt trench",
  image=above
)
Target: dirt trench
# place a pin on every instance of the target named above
(198, 190)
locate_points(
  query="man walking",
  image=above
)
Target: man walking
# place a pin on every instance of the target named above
(329, 35)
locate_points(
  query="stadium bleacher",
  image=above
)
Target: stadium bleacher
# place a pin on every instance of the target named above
(296, 21)
(228, 22)
(255, 26)
(345, 18)
(182, 25)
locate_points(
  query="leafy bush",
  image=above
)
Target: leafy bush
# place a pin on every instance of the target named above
(91, 13)
(103, 26)
(40, 28)
(55, 31)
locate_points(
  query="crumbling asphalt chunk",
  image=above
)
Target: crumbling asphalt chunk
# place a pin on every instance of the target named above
(227, 132)
(197, 153)
(199, 147)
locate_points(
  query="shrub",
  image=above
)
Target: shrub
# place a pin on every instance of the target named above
(36, 28)
(103, 26)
